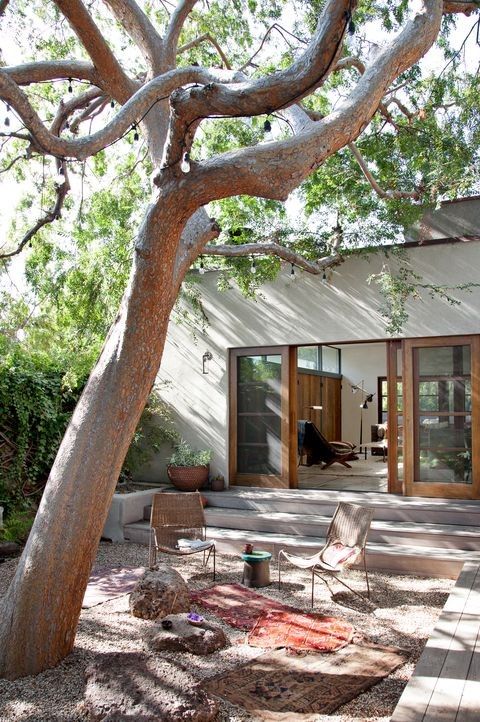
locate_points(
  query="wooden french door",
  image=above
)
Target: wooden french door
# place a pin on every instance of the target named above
(261, 386)
(441, 394)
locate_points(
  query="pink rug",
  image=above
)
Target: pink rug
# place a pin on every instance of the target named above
(237, 605)
(110, 582)
(298, 630)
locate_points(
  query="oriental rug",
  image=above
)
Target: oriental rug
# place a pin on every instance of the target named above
(280, 687)
(299, 630)
(237, 605)
(110, 582)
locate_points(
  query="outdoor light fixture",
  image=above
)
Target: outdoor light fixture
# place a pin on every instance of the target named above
(201, 270)
(207, 356)
(292, 271)
(324, 277)
(253, 267)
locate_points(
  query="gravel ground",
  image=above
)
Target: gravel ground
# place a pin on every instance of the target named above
(402, 613)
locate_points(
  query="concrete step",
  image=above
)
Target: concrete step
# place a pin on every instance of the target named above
(412, 559)
(448, 536)
(387, 507)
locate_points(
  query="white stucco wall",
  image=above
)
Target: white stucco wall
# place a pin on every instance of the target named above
(307, 311)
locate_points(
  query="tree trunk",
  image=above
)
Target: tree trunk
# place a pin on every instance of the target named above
(39, 614)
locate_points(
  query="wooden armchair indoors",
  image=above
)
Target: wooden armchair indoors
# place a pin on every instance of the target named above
(345, 544)
(177, 526)
(316, 448)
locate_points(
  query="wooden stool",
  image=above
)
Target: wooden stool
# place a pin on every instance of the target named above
(256, 569)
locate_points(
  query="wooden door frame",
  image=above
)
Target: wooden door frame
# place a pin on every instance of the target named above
(288, 400)
(440, 489)
(395, 485)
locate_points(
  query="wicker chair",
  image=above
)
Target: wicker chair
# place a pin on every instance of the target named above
(177, 526)
(345, 544)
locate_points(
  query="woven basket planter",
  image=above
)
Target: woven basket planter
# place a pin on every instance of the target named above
(188, 478)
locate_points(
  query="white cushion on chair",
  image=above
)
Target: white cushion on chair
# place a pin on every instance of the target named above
(193, 544)
(302, 562)
(337, 555)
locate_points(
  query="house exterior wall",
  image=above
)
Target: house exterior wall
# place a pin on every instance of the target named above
(303, 311)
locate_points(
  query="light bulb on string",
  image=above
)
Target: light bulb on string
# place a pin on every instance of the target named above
(201, 270)
(135, 132)
(185, 164)
(60, 179)
(70, 88)
(292, 271)
(112, 103)
(7, 117)
(324, 277)
(267, 126)
(253, 267)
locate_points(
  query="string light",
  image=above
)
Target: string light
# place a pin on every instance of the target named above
(253, 267)
(201, 270)
(60, 179)
(324, 277)
(70, 88)
(112, 103)
(7, 117)
(135, 132)
(185, 164)
(267, 126)
(292, 271)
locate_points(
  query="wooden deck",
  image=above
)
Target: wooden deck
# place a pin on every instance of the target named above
(445, 686)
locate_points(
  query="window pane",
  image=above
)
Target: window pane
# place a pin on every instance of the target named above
(331, 359)
(259, 414)
(308, 358)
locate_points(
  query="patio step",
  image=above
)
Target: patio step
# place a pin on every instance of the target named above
(432, 537)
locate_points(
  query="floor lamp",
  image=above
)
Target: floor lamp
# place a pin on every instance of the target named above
(366, 398)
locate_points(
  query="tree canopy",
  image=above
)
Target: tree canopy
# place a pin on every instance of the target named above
(150, 137)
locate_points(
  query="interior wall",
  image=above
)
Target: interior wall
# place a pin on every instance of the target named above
(363, 361)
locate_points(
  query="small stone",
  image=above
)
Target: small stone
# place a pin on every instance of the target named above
(9, 549)
(159, 592)
(130, 686)
(184, 637)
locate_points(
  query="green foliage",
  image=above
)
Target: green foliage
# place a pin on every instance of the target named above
(35, 407)
(18, 523)
(156, 427)
(185, 455)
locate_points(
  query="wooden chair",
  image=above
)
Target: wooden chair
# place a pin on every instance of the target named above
(313, 445)
(345, 544)
(177, 526)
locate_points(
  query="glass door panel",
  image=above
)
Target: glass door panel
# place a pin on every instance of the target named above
(259, 419)
(439, 411)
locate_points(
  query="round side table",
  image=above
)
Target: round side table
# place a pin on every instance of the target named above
(256, 569)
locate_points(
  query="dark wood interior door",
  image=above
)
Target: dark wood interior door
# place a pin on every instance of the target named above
(315, 390)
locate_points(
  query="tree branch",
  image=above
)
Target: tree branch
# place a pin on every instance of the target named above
(273, 170)
(52, 70)
(280, 30)
(132, 111)
(271, 248)
(266, 94)
(175, 26)
(119, 85)
(202, 38)
(389, 194)
(50, 216)
(465, 8)
(138, 26)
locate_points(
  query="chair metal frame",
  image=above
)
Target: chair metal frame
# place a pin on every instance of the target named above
(350, 525)
(175, 516)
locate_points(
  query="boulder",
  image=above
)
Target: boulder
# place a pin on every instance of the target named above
(159, 592)
(9, 549)
(131, 686)
(184, 637)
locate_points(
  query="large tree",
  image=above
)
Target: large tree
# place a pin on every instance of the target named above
(169, 102)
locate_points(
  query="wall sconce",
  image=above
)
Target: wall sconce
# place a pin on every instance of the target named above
(207, 356)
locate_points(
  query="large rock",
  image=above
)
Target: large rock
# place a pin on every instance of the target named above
(130, 686)
(159, 592)
(184, 637)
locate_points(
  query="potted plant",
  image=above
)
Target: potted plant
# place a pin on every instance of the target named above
(217, 483)
(188, 468)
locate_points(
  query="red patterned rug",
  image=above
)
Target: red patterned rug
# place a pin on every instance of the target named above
(237, 605)
(298, 630)
(280, 687)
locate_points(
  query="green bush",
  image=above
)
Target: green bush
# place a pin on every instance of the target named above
(184, 455)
